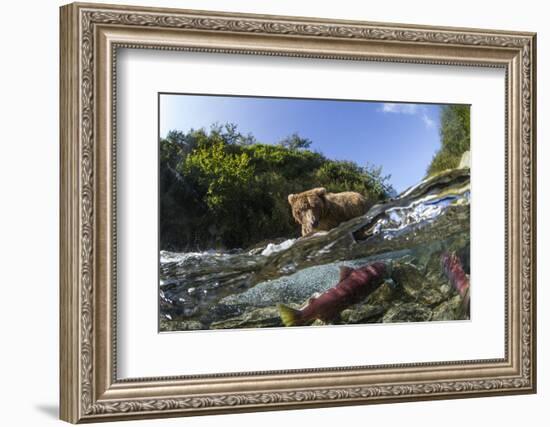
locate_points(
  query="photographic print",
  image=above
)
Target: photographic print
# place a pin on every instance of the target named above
(201, 209)
(287, 212)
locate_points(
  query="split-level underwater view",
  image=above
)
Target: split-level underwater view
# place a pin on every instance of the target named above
(283, 212)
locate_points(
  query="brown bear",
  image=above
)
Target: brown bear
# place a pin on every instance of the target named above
(318, 210)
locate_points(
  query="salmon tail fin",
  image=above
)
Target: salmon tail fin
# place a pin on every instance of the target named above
(290, 316)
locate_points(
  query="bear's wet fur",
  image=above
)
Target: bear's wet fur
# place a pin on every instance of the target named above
(317, 210)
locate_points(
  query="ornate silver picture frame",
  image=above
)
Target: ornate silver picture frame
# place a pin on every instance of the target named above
(91, 35)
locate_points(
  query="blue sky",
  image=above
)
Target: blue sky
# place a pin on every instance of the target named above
(402, 137)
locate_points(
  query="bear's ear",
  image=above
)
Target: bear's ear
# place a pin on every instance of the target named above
(291, 198)
(321, 191)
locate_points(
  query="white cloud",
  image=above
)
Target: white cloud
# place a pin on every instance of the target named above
(410, 109)
(388, 107)
(428, 121)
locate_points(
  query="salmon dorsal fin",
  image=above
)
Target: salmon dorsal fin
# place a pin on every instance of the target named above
(345, 272)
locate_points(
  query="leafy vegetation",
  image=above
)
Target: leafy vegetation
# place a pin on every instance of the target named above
(455, 138)
(222, 189)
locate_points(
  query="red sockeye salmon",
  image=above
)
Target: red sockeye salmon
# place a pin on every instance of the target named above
(452, 267)
(354, 286)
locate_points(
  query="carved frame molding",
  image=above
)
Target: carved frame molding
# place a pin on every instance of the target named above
(90, 36)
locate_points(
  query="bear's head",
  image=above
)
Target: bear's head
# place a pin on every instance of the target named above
(307, 208)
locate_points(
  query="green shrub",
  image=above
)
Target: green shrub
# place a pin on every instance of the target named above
(455, 138)
(222, 189)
